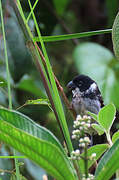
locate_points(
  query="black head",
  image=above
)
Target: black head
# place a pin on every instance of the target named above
(82, 82)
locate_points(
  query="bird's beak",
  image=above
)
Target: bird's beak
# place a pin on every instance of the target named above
(71, 85)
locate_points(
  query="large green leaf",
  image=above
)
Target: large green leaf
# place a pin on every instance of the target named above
(98, 149)
(36, 142)
(109, 163)
(106, 116)
(98, 62)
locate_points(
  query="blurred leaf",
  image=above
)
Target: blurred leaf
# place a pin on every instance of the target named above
(98, 129)
(106, 116)
(98, 149)
(23, 134)
(98, 62)
(29, 84)
(115, 136)
(60, 6)
(109, 163)
(39, 101)
(2, 83)
(20, 60)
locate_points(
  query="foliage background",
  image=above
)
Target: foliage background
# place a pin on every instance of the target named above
(68, 58)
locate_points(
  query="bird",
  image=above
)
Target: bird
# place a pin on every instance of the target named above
(86, 95)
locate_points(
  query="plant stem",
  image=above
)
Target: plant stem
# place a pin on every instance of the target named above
(109, 138)
(6, 58)
(8, 82)
(86, 161)
(72, 36)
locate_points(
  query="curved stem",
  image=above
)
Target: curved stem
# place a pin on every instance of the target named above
(109, 138)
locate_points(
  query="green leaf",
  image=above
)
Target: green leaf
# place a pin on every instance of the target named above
(39, 101)
(115, 136)
(98, 128)
(109, 163)
(115, 36)
(106, 116)
(100, 68)
(1, 83)
(36, 142)
(98, 149)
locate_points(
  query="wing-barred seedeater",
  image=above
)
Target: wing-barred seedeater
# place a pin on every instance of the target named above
(86, 95)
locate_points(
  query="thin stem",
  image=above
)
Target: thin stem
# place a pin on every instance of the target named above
(72, 36)
(17, 167)
(6, 59)
(86, 161)
(12, 157)
(31, 11)
(8, 81)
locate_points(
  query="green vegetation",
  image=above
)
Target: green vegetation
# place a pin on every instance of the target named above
(39, 55)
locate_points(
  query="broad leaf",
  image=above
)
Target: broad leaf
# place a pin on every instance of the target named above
(36, 142)
(106, 116)
(109, 163)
